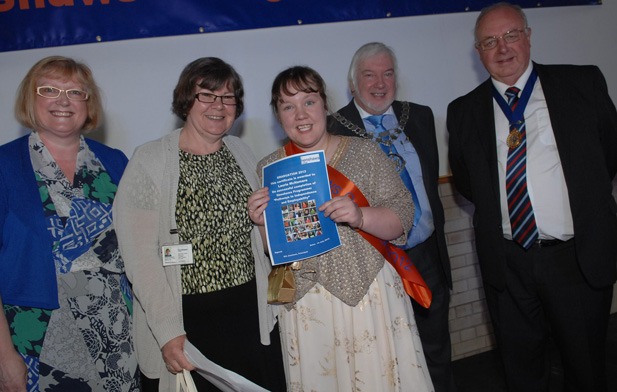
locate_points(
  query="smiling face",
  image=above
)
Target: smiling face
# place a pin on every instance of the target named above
(508, 61)
(375, 84)
(211, 120)
(59, 117)
(303, 118)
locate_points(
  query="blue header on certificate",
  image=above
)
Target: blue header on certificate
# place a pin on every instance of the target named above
(296, 230)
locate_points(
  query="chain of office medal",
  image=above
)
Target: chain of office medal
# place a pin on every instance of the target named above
(381, 137)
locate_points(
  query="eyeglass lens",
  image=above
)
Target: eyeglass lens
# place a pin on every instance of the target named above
(211, 98)
(509, 37)
(54, 92)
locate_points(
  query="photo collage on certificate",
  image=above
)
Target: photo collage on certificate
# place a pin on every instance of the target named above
(301, 221)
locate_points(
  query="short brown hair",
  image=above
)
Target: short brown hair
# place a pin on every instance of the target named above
(300, 78)
(58, 67)
(210, 73)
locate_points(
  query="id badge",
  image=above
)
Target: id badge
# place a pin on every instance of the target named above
(177, 254)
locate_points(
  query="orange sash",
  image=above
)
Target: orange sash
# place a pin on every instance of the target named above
(414, 285)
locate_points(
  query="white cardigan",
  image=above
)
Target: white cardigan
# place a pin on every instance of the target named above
(144, 213)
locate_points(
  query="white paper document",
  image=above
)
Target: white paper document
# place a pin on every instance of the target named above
(224, 379)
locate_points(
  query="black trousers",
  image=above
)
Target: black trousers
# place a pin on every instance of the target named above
(224, 326)
(546, 298)
(433, 322)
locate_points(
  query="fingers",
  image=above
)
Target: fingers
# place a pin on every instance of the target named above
(337, 206)
(177, 364)
(257, 204)
(173, 355)
(173, 369)
(342, 209)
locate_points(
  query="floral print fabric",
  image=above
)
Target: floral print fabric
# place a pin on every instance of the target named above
(373, 346)
(86, 344)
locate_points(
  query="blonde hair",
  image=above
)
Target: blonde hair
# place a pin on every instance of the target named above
(57, 67)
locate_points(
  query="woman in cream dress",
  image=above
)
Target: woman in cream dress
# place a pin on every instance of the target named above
(351, 326)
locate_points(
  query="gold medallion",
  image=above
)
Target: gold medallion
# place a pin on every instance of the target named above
(514, 138)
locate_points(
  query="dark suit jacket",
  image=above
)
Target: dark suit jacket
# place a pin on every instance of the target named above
(584, 121)
(420, 130)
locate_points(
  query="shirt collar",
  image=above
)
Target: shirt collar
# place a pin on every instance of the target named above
(520, 83)
(364, 114)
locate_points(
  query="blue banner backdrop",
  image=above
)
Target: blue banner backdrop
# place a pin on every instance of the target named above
(29, 24)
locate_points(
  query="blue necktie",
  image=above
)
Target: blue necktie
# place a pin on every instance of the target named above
(380, 130)
(522, 218)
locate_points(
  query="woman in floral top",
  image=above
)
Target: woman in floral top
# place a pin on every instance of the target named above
(66, 321)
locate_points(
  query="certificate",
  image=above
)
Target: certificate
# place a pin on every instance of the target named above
(295, 229)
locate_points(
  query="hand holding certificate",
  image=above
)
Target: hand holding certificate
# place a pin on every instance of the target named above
(295, 228)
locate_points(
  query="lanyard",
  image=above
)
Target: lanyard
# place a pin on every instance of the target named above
(516, 116)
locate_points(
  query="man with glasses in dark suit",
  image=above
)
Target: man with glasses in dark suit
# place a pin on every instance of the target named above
(534, 148)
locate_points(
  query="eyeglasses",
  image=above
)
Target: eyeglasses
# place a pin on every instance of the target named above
(211, 98)
(508, 37)
(52, 92)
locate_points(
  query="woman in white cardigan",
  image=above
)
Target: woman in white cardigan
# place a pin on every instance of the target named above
(191, 187)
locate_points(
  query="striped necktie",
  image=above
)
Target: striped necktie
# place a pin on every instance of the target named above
(522, 219)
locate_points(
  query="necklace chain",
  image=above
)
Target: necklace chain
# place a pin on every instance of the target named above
(385, 138)
(379, 138)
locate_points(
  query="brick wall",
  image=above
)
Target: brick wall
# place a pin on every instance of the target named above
(470, 327)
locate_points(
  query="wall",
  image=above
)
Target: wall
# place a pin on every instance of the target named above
(437, 63)
(470, 326)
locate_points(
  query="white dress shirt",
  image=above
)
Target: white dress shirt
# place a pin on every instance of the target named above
(545, 181)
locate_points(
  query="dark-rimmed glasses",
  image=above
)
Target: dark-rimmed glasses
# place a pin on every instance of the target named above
(211, 98)
(53, 92)
(509, 37)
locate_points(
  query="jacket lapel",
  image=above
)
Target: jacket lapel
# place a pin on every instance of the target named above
(415, 136)
(560, 104)
(484, 119)
(351, 113)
